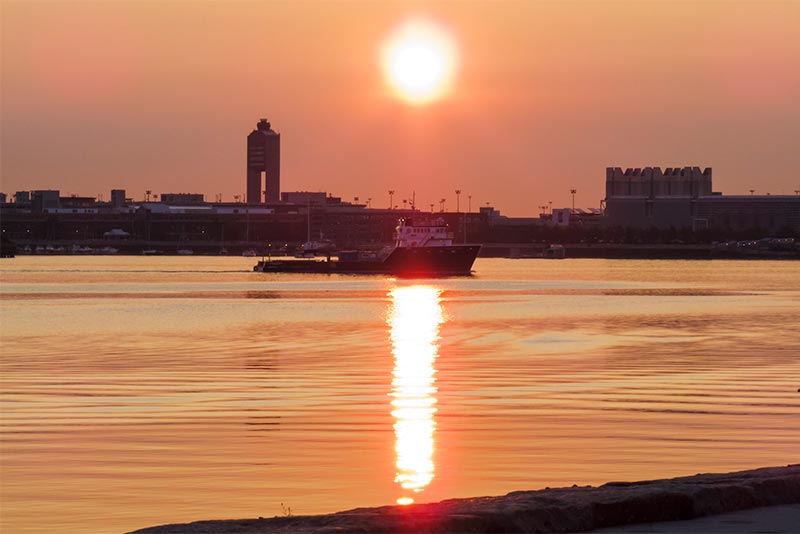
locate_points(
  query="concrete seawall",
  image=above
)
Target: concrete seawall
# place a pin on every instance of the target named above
(575, 509)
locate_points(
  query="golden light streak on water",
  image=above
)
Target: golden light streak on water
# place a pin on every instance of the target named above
(414, 321)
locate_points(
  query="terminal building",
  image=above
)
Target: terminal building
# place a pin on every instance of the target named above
(683, 198)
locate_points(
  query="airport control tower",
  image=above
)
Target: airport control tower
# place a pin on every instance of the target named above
(263, 164)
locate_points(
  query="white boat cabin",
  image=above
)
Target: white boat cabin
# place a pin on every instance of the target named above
(411, 234)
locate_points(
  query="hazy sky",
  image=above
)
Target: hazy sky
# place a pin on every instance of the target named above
(161, 95)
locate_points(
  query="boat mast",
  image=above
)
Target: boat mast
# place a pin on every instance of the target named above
(308, 224)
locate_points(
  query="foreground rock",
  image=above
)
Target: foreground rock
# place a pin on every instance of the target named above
(551, 510)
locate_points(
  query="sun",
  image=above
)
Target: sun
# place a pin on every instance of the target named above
(419, 61)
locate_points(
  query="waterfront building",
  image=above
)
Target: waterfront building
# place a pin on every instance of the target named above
(45, 199)
(773, 214)
(648, 197)
(315, 198)
(263, 164)
(117, 198)
(682, 198)
(182, 198)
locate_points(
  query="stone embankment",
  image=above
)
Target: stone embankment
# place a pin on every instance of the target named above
(575, 509)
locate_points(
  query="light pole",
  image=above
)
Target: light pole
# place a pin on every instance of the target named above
(550, 206)
(391, 194)
(369, 202)
(469, 203)
(147, 195)
(752, 191)
(458, 210)
(573, 191)
(431, 208)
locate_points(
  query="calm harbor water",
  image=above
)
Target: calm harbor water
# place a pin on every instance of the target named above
(141, 391)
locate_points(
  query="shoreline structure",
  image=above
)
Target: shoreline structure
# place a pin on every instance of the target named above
(575, 509)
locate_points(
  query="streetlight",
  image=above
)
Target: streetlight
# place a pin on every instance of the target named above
(573, 191)
(752, 191)
(369, 202)
(458, 210)
(441, 205)
(431, 207)
(391, 194)
(550, 205)
(469, 203)
(147, 195)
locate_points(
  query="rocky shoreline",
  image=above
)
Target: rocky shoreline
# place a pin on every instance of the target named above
(575, 509)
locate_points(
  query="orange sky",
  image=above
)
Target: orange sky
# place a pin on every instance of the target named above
(160, 96)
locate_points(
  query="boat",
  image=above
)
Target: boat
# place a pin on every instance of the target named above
(310, 249)
(421, 248)
(8, 249)
(78, 249)
(554, 252)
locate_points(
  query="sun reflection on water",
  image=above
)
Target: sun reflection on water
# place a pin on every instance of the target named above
(414, 321)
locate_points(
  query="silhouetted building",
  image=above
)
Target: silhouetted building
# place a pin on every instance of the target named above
(771, 214)
(75, 201)
(44, 200)
(316, 198)
(682, 198)
(182, 198)
(22, 197)
(648, 197)
(3, 198)
(263, 164)
(651, 182)
(117, 198)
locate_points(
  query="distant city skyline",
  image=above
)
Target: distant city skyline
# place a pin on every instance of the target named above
(542, 98)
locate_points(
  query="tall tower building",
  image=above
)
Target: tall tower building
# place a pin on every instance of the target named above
(263, 164)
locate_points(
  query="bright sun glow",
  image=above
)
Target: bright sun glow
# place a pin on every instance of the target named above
(419, 61)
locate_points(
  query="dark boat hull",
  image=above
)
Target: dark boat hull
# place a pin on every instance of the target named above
(417, 262)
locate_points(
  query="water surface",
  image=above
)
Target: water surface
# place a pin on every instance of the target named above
(140, 391)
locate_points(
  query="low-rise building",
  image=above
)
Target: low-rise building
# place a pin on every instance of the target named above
(182, 198)
(682, 198)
